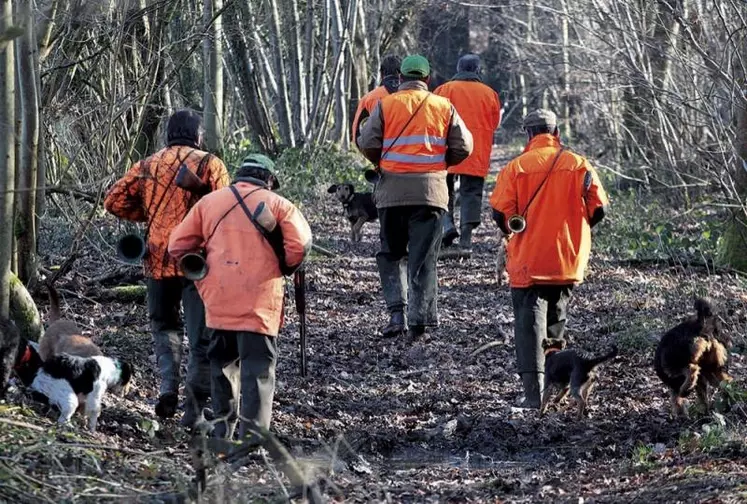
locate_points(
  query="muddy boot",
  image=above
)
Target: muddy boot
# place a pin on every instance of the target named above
(167, 405)
(450, 233)
(397, 325)
(532, 383)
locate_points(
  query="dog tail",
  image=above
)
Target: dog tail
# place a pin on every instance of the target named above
(595, 361)
(703, 308)
(54, 304)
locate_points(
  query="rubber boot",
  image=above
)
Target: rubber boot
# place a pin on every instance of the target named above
(415, 332)
(465, 240)
(450, 233)
(397, 325)
(167, 405)
(532, 383)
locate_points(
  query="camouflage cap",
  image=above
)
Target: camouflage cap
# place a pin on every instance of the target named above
(540, 117)
(415, 66)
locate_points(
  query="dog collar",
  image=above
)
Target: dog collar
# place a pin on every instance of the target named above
(347, 201)
(26, 357)
(551, 351)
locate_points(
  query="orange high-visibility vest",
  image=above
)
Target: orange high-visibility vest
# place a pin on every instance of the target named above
(367, 103)
(421, 146)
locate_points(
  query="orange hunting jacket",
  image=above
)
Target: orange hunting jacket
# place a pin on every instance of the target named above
(147, 193)
(367, 103)
(554, 248)
(480, 108)
(244, 288)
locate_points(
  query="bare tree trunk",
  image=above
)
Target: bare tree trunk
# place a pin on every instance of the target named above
(283, 107)
(213, 78)
(249, 87)
(297, 88)
(28, 165)
(7, 156)
(566, 96)
(733, 245)
(522, 76)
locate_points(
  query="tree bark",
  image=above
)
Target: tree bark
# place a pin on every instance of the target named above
(7, 156)
(283, 107)
(297, 71)
(213, 78)
(28, 165)
(733, 244)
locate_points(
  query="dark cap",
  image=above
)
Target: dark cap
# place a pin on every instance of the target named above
(540, 118)
(415, 66)
(469, 63)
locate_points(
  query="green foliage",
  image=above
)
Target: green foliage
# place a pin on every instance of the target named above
(730, 395)
(304, 171)
(645, 229)
(643, 456)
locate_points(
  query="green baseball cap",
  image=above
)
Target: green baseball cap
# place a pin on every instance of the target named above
(416, 66)
(263, 162)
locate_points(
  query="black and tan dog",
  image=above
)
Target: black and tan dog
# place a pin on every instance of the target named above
(693, 355)
(359, 207)
(570, 370)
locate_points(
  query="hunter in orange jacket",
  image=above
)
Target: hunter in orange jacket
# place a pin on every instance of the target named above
(480, 107)
(389, 71)
(560, 197)
(244, 286)
(149, 193)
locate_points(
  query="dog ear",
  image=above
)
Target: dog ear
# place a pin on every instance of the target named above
(351, 187)
(332, 188)
(126, 375)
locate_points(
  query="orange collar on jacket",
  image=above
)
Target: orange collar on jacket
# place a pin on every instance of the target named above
(542, 140)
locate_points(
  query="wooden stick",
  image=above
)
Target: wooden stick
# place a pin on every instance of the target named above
(323, 251)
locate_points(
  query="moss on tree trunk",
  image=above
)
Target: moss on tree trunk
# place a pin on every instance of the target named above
(23, 310)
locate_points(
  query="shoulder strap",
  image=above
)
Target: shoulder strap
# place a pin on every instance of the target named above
(539, 187)
(406, 124)
(277, 246)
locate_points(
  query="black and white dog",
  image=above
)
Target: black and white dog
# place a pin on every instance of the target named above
(69, 381)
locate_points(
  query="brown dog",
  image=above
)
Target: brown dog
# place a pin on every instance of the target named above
(693, 355)
(62, 335)
(570, 369)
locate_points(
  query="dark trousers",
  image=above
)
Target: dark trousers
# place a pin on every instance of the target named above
(164, 298)
(470, 198)
(410, 240)
(540, 312)
(253, 385)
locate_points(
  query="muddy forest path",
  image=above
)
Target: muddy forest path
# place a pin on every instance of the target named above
(388, 420)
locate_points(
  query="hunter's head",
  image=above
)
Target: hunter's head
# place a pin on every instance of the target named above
(184, 128)
(415, 68)
(541, 121)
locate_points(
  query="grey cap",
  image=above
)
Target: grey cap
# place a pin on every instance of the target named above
(540, 117)
(469, 63)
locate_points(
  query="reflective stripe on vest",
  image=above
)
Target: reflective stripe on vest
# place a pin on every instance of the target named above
(421, 147)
